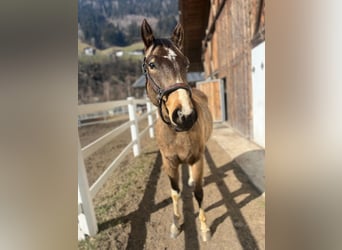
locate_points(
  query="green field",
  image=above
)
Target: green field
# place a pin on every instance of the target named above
(104, 55)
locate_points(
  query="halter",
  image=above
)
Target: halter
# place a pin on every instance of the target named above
(163, 92)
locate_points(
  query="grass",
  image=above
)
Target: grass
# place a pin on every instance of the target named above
(129, 48)
(82, 46)
(134, 172)
(115, 197)
(97, 58)
(103, 56)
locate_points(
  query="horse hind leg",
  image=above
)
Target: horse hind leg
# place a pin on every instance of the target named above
(197, 176)
(205, 230)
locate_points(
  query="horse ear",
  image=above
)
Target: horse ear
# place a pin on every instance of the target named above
(178, 36)
(146, 34)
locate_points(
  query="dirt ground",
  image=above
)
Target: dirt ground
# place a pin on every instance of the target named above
(134, 208)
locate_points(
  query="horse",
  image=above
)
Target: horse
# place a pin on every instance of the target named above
(184, 123)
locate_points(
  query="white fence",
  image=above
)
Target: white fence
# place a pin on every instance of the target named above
(87, 224)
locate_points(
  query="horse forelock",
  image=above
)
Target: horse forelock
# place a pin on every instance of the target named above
(165, 48)
(170, 62)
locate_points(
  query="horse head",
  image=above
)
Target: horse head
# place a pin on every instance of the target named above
(165, 67)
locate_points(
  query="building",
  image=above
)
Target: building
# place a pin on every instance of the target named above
(226, 40)
(88, 51)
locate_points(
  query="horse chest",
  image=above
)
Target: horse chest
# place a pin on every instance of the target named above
(182, 146)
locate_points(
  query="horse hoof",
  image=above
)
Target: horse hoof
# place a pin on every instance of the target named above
(174, 231)
(206, 236)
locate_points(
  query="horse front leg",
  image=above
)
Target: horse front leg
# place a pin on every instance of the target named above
(197, 182)
(173, 174)
(175, 194)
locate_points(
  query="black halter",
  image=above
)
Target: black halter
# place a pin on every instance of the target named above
(163, 92)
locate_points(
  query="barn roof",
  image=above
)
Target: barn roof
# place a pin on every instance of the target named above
(140, 82)
(194, 18)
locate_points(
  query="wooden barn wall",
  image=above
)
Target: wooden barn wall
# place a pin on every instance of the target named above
(214, 49)
(228, 56)
(234, 56)
(226, 48)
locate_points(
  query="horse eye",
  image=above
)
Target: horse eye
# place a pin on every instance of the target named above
(151, 65)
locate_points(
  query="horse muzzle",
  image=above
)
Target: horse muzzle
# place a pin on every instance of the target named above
(183, 122)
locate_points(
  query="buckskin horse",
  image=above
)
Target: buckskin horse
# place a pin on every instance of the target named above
(184, 124)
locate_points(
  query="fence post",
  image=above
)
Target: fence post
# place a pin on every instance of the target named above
(86, 218)
(150, 118)
(134, 126)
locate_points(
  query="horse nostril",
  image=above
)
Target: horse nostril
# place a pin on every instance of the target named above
(179, 113)
(177, 116)
(184, 121)
(194, 116)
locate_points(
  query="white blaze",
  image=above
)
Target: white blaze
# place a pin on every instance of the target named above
(171, 55)
(184, 100)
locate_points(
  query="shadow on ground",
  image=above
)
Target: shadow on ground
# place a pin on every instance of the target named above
(224, 197)
(240, 224)
(139, 217)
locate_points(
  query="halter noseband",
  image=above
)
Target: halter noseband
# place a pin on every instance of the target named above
(163, 92)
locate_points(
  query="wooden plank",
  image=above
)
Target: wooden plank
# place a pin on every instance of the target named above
(213, 90)
(80, 210)
(86, 220)
(103, 140)
(103, 106)
(140, 101)
(97, 107)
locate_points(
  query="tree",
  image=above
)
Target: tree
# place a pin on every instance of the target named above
(133, 32)
(166, 25)
(113, 35)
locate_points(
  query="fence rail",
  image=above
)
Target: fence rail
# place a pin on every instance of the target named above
(87, 224)
(97, 113)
